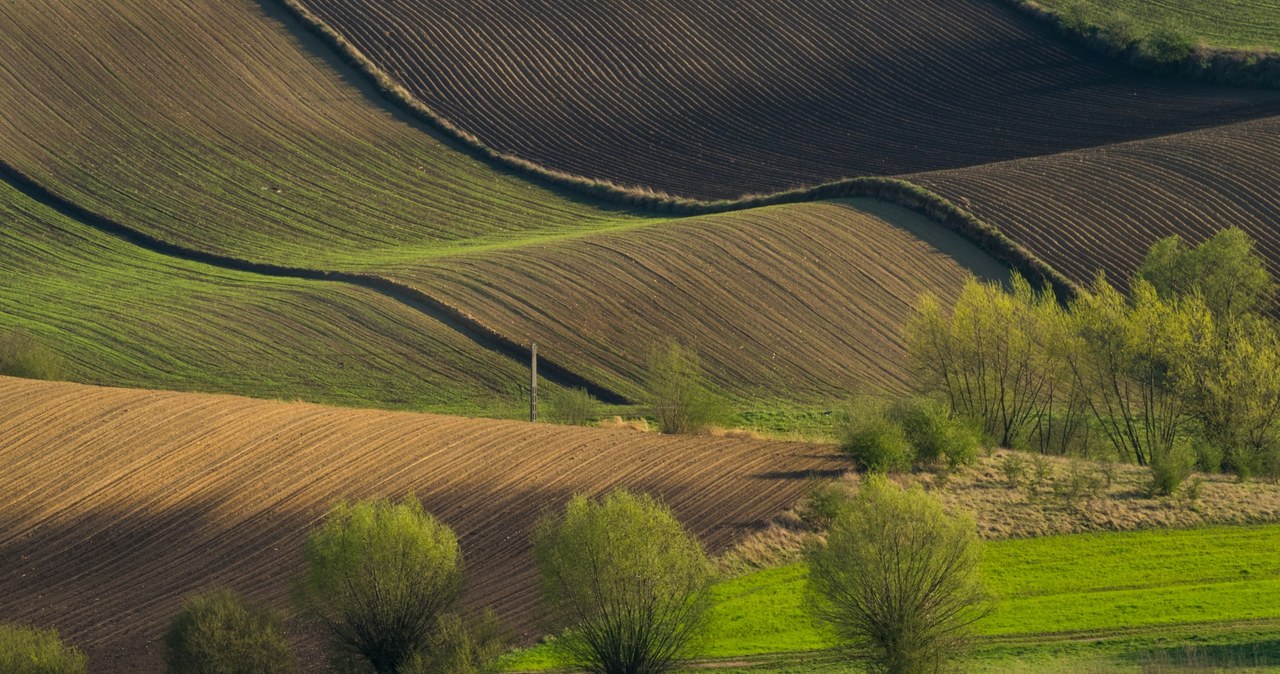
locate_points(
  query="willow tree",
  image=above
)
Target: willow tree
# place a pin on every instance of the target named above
(624, 580)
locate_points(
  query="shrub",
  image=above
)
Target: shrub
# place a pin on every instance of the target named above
(874, 442)
(381, 576)
(1169, 469)
(936, 434)
(1167, 45)
(24, 650)
(678, 396)
(460, 646)
(216, 633)
(898, 579)
(822, 503)
(22, 356)
(1014, 469)
(573, 406)
(626, 581)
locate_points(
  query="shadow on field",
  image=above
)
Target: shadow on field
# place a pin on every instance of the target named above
(1210, 657)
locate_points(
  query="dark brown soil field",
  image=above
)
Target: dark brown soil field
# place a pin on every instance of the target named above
(719, 98)
(116, 503)
(794, 302)
(1103, 208)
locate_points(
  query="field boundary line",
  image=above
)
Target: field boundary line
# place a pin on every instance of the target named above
(892, 190)
(1216, 65)
(415, 299)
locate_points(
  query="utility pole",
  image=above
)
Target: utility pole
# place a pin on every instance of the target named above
(533, 384)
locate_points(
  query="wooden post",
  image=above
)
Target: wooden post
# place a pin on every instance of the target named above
(533, 384)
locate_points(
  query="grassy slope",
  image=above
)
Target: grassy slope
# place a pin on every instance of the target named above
(128, 317)
(800, 302)
(248, 146)
(1233, 24)
(1083, 584)
(280, 156)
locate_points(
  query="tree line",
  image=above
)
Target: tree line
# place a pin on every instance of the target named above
(1183, 371)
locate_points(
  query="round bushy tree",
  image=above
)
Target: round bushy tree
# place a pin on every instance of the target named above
(626, 581)
(217, 633)
(382, 576)
(898, 579)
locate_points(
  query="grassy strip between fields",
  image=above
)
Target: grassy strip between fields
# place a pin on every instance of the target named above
(1077, 587)
(1227, 41)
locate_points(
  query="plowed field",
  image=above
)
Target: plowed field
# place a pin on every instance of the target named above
(1102, 208)
(116, 503)
(799, 302)
(719, 98)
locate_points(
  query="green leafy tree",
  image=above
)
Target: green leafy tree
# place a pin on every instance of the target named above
(24, 650)
(897, 578)
(627, 583)
(381, 576)
(678, 394)
(216, 633)
(988, 356)
(1225, 270)
(1139, 359)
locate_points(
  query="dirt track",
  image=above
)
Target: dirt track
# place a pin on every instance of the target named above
(115, 503)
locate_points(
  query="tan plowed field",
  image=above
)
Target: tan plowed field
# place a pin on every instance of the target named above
(115, 503)
(795, 302)
(1102, 208)
(718, 98)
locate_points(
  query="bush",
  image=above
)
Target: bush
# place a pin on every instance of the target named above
(381, 576)
(24, 650)
(822, 504)
(898, 579)
(573, 406)
(1014, 469)
(626, 581)
(874, 442)
(678, 396)
(1169, 469)
(936, 434)
(461, 647)
(216, 633)
(22, 356)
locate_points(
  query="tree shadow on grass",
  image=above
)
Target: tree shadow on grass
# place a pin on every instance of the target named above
(1209, 657)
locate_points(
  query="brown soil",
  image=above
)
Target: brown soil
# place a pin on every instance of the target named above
(1103, 208)
(802, 301)
(116, 503)
(719, 98)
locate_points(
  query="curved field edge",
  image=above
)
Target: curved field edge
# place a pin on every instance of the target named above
(893, 190)
(1208, 63)
(119, 502)
(411, 297)
(121, 315)
(793, 304)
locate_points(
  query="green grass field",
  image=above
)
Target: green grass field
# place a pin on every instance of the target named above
(124, 316)
(1232, 24)
(1055, 596)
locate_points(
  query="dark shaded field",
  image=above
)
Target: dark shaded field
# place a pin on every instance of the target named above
(1100, 209)
(720, 98)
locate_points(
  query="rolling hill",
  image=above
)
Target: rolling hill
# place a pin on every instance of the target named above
(718, 99)
(802, 302)
(282, 156)
(1100, 209)
(132, 499)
